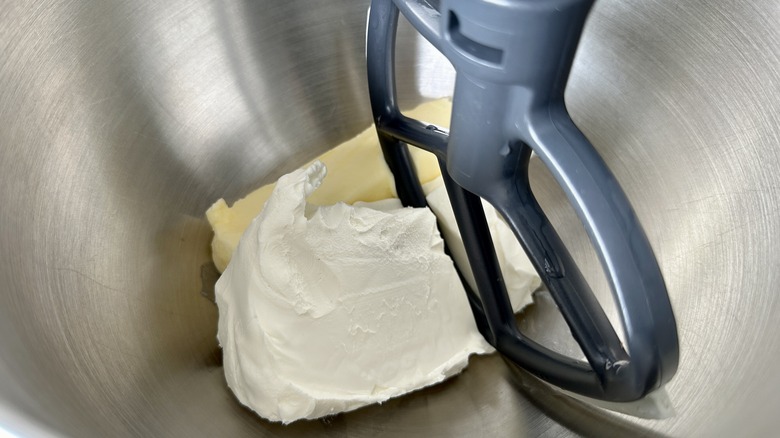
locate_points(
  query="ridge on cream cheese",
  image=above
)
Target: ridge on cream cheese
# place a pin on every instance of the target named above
(343, 307)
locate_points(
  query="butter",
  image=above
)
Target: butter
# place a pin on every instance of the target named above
(356, 172)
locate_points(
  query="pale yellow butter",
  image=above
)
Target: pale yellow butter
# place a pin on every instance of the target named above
(356, 172)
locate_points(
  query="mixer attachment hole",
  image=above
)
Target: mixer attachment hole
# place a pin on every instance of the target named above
(478, 50)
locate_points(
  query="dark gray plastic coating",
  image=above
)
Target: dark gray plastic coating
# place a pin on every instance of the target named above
(512, 60)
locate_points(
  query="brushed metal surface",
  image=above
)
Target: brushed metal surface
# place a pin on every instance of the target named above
(120, 122)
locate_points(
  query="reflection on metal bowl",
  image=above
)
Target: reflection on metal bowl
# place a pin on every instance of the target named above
(120, 122)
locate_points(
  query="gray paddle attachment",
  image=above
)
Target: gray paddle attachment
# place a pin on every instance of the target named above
(512, 59)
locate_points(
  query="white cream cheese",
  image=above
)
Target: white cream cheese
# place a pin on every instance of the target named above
(520, 277)
(349, 307)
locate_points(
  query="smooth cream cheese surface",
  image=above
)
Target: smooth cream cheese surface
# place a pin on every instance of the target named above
(347, 307)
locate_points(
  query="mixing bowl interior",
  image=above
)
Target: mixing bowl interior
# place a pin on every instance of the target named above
(121, 122)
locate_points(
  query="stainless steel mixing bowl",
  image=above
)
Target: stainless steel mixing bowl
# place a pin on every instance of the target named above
(120, 122)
